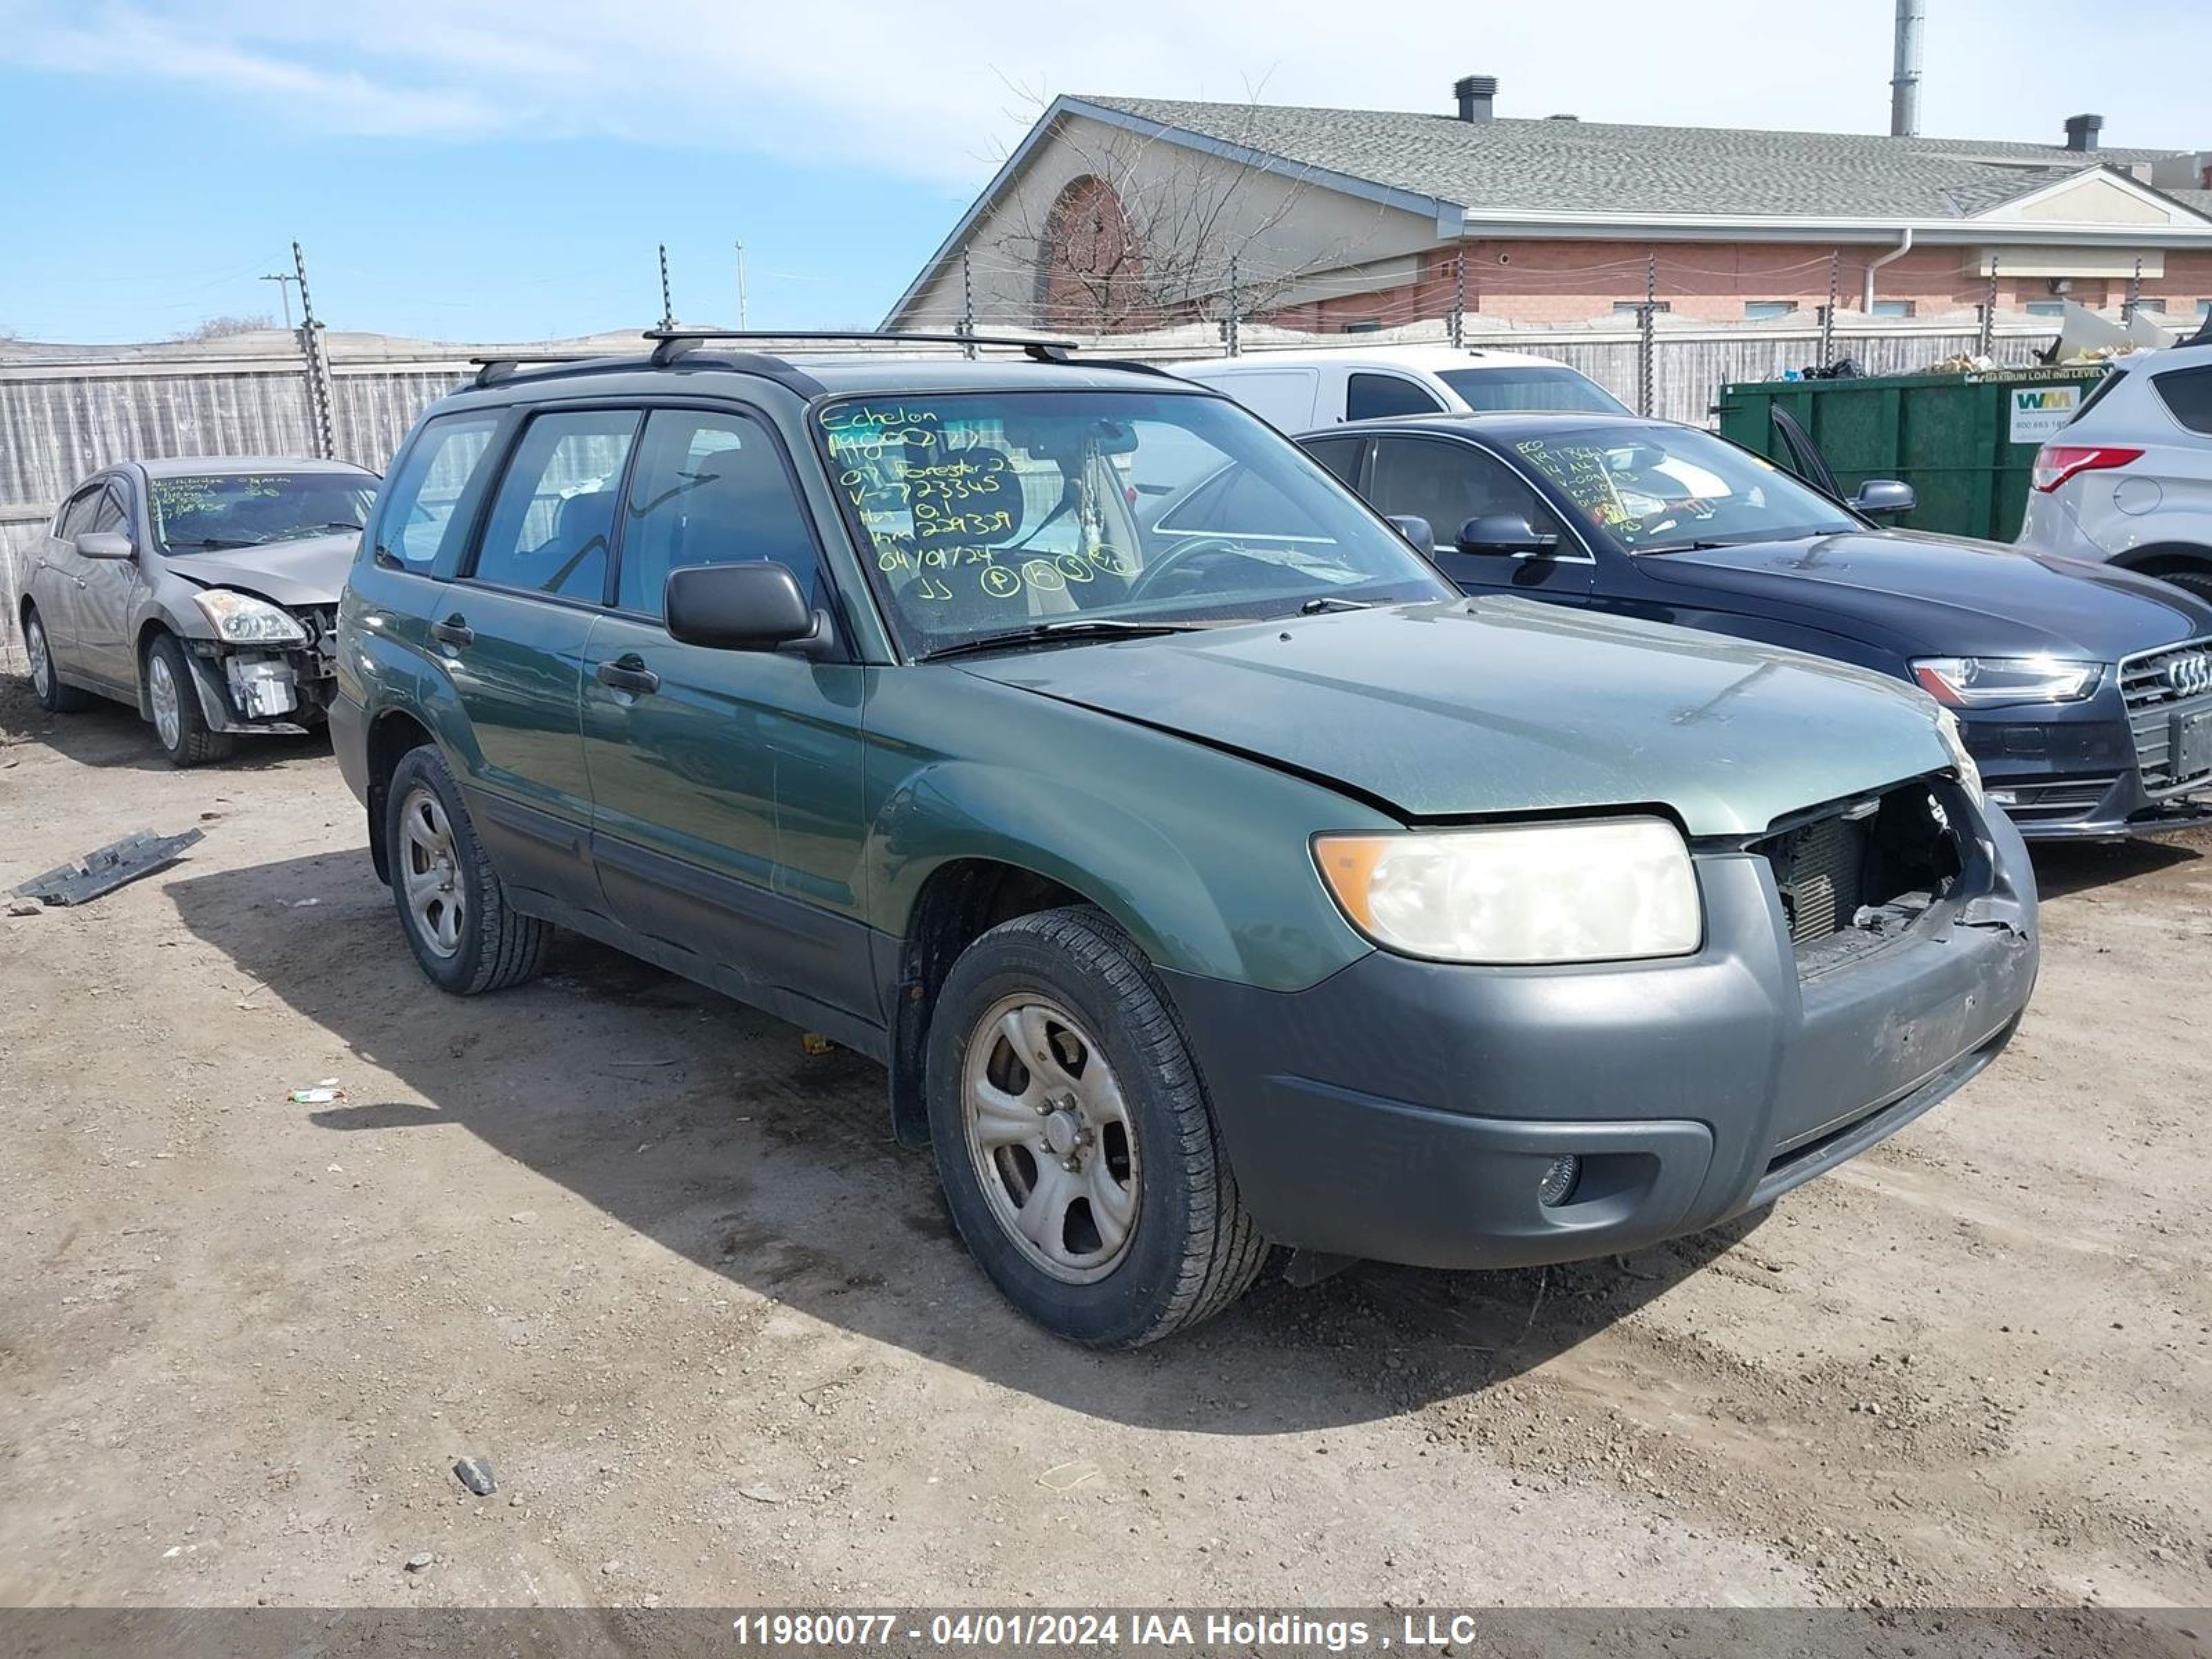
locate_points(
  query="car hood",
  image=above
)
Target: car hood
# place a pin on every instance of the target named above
(1498, 705)
(1949, 596)
(306, 572)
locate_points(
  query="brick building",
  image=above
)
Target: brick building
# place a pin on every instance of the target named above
(1119, 213)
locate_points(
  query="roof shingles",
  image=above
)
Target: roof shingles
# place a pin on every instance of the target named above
(1607, 169)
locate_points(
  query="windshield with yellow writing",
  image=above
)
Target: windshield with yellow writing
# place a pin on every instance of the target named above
(985, 513)
(1655, 489)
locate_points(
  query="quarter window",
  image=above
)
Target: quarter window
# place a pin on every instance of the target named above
(2187, 394)
(553, 523)
(710, 488)
(1369, 397)
(415, 519)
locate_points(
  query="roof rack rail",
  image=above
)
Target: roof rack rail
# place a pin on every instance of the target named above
(670, 343)
(491, 369)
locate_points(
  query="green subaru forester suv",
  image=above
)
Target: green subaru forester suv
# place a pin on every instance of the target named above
(1206, 873)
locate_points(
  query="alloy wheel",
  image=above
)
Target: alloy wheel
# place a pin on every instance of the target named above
(162, 694)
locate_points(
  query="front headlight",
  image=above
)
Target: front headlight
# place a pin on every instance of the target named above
(1603, 890)
(1970, 775)
(241, 619)
(1983, 682)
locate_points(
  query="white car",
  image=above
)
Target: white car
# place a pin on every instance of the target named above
(2128, 482)
(1298, 391)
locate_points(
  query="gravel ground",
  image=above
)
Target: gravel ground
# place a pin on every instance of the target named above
(632, 1245)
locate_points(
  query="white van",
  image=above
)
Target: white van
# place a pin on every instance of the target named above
(1299, 391)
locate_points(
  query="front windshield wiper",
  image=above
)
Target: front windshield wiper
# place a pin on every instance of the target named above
(206, 544)
(1685, 547)
(339, 524)
(1314, 607)
(1073, 628)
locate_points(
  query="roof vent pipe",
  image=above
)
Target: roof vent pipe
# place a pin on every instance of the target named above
(1476, 93)
(2081, 131)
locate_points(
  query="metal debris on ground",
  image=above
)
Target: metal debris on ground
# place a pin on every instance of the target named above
(106, 868)
(419, 1560)
(475, 1473)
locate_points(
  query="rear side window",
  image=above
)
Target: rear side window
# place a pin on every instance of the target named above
(710, 488)
(1371, 395)
(552, 524)
(2187, 393)
(415, 516)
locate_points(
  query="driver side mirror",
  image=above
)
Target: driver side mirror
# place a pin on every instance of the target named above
(1503, 533)
(105, 544)
(1884, 495)
(748, 606)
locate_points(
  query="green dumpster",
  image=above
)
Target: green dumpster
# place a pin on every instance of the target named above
(1965, 442)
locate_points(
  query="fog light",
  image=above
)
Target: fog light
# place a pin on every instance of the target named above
(1559, 1183)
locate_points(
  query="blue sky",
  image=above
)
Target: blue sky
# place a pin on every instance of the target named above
(503, 169)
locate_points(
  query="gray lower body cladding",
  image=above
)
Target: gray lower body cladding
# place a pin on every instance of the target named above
(1407, 1111)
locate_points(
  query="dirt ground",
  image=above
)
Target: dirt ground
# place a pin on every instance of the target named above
(664, 1270)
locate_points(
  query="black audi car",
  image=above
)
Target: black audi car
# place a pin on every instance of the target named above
(2085, 693)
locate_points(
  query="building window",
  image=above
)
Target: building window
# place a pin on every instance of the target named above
(1631, 307)
(2155, 307)
(1760, 310)
(2045, 308)
(1892, 307)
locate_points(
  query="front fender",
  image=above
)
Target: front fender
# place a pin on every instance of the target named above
(1209, 882)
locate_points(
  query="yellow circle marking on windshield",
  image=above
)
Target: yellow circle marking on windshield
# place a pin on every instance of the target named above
(1001, 582)
(1071, 565)
(1043, 576)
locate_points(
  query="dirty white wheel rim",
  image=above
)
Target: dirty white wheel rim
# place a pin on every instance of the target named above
(430, 874)
(1051, 1138)
(42, 671)
(162, 693)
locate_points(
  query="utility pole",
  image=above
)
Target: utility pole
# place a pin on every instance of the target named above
(283, 281)
(319, 368)
(1904, 81)
(1646, 325)
(667, 310)
(741, 286)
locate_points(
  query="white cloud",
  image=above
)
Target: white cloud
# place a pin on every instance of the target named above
(936, 94)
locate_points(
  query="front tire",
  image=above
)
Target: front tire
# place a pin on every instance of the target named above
(45, 678)
(1073, 1137)
(2197, 582)
(453, 907)
(173, 699)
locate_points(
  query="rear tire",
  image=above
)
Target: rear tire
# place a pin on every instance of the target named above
(180, 726)
(46, 678)
(1073, 1137)
(453, 907)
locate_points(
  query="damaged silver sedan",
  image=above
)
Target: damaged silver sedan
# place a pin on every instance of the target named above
(201, 591)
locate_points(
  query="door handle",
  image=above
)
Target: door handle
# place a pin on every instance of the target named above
(454, 631)
(628, 673)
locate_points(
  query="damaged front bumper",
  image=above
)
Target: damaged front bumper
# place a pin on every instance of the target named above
(1412, 1111)
(272, 690)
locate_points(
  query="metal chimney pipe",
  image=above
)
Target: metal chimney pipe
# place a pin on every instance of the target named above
(1904, 82)
(1476, 94)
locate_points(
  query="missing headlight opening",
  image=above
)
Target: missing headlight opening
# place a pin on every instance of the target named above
(1862, 872)
(262, 686)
